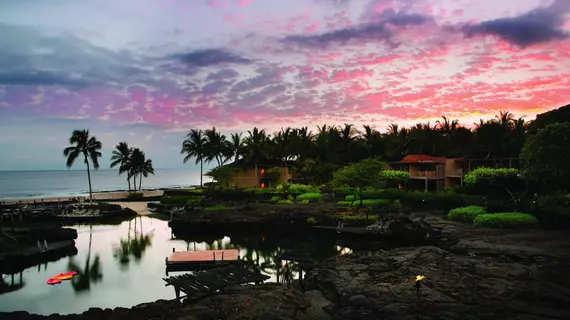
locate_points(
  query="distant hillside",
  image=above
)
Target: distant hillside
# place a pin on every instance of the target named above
(561, 114)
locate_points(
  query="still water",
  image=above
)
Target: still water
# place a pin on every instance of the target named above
(123, 265)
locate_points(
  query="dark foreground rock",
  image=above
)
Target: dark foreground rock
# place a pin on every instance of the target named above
(483, 274)
(19, 245)
(268, 301)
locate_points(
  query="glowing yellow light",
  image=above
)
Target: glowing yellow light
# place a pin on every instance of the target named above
(419, 278)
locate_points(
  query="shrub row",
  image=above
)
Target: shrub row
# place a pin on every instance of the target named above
(181, 200)
(368, 203)
(506, 220)
(480, 218)
(465, 214)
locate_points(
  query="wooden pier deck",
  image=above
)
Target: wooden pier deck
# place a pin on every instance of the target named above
(203, 283)
(191, 260)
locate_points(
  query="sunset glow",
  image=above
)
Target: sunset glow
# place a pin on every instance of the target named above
(149, 70)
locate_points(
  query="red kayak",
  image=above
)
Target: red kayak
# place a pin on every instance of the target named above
(60, 277)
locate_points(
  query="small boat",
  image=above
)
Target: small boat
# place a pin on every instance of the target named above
(61, 277)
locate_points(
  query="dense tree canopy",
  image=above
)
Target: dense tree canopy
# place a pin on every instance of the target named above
(319, 154)
(546, 157)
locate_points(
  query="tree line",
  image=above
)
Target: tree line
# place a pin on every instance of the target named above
(131, 161)
(317, 155)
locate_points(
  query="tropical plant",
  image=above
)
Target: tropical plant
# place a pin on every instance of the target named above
(257, 145)
(122, 156)
(82, 144)
(195, 147)
(140, 166)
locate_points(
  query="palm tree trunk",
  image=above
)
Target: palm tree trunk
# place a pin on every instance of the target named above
(140, 181)
(89, 179)
(201, 175)
(129, 182)
(135, 182)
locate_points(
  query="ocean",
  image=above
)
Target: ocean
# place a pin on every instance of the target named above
(67, 183)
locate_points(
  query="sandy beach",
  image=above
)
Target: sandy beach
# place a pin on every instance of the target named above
(96, 196)
(139, 206)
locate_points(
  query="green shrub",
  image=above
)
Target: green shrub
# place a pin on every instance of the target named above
(260, 191)
(490, 175)
(136, 195)
(465, 214)
(195, 200)
(397, 176)
(217, 208)
(348, 217)
(351, 198)
(368, 203)
(506, 220)
(312, 220)
(311, 197)
(275, 199)
(296, 188)
(344, 203)
(304, 201)
(174, 200)
(287, 201)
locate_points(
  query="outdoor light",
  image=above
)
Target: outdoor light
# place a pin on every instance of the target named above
(419, 285)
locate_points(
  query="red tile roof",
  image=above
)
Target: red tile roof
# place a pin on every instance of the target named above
(422, 158)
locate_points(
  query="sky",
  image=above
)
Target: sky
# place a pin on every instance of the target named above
(146, 71)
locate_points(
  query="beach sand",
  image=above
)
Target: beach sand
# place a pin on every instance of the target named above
(139, 206)
(96, 196)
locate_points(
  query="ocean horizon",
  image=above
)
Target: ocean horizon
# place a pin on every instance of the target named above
(35, 184)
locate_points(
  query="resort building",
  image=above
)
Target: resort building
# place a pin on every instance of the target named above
(245, 177)
(439, 173)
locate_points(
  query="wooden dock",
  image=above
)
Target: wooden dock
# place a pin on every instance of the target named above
(203, 259)
(203, 283)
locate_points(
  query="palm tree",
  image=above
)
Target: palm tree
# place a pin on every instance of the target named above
(283, 144)
(257, 149)
(216, 147)
(237, 146)
(83, 144)
(194, 147)
(122, 155)
(140, 166)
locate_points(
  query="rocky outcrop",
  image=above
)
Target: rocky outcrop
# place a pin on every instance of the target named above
(252, 218)
(475, 274)
(268, 301)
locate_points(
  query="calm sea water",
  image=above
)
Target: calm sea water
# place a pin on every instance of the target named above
(44, 184)
(123, 265)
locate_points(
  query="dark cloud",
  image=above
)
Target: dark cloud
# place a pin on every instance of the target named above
(371, 31)
(29, 56)
(537, 26)
(208, 57)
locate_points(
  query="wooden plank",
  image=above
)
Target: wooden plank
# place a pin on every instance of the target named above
(204, 255)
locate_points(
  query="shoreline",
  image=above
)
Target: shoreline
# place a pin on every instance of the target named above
(103, 195)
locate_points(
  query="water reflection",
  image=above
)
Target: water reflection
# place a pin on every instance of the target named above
(258, 252)
(123, 265)
(12, 284)
(133, 246)
(90, 273)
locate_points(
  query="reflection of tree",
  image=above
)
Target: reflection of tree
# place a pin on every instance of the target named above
(258, 252)
(134, 247)
(13, 286)
(91, 273)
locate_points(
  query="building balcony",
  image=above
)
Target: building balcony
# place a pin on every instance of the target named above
(455, 173)
(427, 175)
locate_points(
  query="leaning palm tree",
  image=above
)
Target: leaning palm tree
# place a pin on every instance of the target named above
(122, 156)
(194, 147)
(83, 144)
(216, 147)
